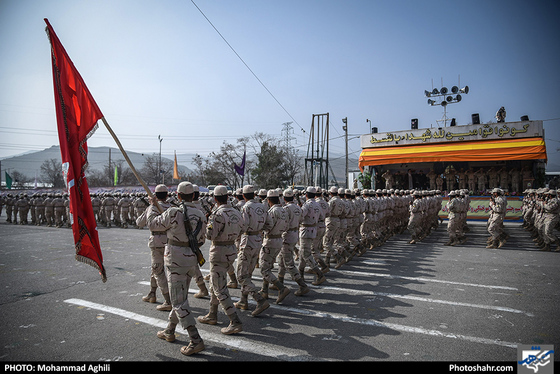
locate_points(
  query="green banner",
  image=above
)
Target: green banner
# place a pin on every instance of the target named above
(480, 207)
(8, 181)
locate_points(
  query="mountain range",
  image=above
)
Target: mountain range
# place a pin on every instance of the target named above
(29, 163)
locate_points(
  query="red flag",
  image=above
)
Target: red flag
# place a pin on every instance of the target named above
(76, 116)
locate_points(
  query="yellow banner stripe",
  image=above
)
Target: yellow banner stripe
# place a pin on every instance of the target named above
(456, 147)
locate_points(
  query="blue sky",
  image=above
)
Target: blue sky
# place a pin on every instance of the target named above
(160, 68)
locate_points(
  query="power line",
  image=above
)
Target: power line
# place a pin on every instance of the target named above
(247, 66)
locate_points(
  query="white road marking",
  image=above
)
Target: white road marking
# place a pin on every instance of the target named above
(426, 280)
(285, 353)
(242, 344)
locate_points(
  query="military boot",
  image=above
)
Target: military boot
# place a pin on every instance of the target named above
(264, 289)
(192, 348)
(166, 306)
(203, 291)
(303, 289)
(243, 302)
(168, 334)
(234, 326)
(262, 305)
(233, 281)
(328, 260)
(320, 278)
(274, 287)
(323, 265)
(150, 297)
(212, 317)
(282, 293)
(340, 260)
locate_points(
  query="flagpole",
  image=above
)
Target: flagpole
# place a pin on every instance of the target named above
(150, 194)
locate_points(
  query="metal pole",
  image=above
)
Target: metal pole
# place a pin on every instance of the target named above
(159, 176)
(345, 128)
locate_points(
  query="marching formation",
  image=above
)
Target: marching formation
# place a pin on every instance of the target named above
(299, 232)
(541, 216)
(53, 209)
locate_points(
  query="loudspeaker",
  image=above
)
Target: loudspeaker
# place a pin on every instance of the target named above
(475, 119)
(524, 118)
(374, 130)
(452, 121)
(414, 124)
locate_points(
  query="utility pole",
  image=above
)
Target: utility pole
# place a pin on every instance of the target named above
(110, 180)
(159, 176)
(345, 128)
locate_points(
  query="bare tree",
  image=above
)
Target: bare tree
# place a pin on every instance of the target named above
(51, 173)
(153, 173)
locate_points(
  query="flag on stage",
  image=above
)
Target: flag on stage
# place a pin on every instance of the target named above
(175, 168)
(116, 177)
(241, 168)
(77, 114)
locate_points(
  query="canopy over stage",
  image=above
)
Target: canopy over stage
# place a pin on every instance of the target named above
(505, 141)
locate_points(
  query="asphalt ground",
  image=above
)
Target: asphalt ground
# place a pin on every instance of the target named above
(397, 303)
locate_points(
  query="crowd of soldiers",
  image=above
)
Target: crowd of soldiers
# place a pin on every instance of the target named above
(50, 209)
(477, 181)
(53, 209)
(541, 216)
(300, 232)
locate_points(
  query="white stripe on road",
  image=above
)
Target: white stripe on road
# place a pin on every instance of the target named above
(242, 344)
(427, 300)
(347, 291)
(360, 273)
(282, 352)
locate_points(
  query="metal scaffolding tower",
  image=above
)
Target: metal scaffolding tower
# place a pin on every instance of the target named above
(317, 160)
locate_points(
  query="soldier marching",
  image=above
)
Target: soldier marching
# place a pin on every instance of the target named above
(296, 232)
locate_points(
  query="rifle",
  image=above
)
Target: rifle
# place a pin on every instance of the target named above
(193, 243)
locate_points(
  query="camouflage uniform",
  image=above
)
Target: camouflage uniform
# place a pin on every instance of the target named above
(224, 226)
(308, 232)
(453, 224)
(9, 207)
(107, 205)
(289, 241)
(96, 206)
(481, 180)
(125, 206)
(332, 223)
(317, 245)
(23, 209)
(15, 209)
(180, 264)
(49, 210)
(550, 220)
(498, 208)
(254, 217)
(275, 225)
(415, 210)
(58, 205)
(156, 243)
(340, 237)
